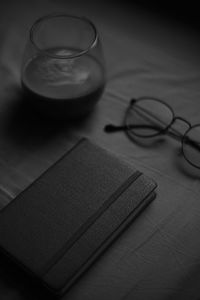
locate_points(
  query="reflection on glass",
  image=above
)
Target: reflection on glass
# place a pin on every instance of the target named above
(63, 70)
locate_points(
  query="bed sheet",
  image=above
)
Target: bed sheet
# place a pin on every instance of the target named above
(158, 256)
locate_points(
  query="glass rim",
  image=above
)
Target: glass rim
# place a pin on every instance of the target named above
(40, 20)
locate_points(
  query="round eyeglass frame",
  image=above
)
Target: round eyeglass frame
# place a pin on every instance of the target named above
(164, 130)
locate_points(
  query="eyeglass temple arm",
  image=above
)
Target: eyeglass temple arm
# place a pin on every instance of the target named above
(174, 133)
(115, 128)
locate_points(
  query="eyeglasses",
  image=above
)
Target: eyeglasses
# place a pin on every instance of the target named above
(150, 117)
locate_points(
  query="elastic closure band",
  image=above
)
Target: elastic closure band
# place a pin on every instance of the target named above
(90, 221)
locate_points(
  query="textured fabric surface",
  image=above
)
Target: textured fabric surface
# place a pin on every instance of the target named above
(158, 256)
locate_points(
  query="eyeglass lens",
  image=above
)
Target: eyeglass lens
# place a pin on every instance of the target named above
(147, 117)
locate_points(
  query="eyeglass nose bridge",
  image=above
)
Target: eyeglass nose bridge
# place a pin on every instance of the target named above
(180, 119)
(174, 131)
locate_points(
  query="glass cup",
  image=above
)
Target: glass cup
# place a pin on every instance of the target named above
(63, 68)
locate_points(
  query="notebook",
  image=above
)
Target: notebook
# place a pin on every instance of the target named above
(64, 220)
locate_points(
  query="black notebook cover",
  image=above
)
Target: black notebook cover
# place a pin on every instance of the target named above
(71, 213)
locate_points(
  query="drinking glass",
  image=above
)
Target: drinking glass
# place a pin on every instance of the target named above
(63, 68)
